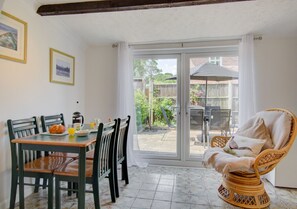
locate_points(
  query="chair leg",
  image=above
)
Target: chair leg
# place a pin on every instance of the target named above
(96, 194)
(57, 193)
(125, 171)
(37, 183)
(50, 192)
(112, 187)
(44, 183)
(69, 186)
(75, 186)
(13, 190)
(116, 183)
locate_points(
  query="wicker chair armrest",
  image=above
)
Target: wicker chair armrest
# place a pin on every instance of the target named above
(267, 160)
(219, 141)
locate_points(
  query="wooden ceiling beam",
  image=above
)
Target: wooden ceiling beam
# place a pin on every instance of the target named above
(119, 5)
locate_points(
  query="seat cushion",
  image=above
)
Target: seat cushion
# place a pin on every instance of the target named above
(71, 169)
(224, 162)
(244, 146)
(249, 139)
(46, 164)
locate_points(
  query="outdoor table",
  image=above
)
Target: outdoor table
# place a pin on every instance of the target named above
(56, 143)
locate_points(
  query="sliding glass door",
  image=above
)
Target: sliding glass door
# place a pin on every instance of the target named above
(157, 101)
(212, 99)
(177, 109)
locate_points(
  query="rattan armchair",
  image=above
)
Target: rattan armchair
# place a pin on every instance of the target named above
(245, 189)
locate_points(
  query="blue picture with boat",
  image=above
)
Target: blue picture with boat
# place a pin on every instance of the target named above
(8, 37)
(62, 68)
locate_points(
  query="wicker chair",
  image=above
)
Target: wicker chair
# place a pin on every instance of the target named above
(245, 189)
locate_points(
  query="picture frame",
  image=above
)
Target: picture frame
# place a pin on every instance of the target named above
(62, 67)
(13, 38)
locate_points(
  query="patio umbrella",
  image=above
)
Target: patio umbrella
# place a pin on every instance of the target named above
(212, 72)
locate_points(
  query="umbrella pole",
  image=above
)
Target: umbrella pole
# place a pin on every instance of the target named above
(205, 93)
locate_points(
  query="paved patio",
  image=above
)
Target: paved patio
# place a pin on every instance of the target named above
(164, 140)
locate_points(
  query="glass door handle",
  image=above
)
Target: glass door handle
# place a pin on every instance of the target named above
(187, 108)
(177, 109)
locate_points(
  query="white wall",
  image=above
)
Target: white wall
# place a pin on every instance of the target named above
(25, 89)
(101, 82)
(276, 73)
(276, 64)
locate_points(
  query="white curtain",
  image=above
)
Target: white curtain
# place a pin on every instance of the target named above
(1, 4)
(125, 100)
(247, 101)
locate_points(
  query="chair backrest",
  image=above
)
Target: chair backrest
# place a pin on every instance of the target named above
(122, 137)
(279, 122)
(47, 121)
(196, 119)
(274, 120)
(220, 119)
(18, 129)
(209, 108)
(104, 149)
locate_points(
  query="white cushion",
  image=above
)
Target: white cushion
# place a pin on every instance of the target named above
(256, 127)
(279, 126)
(224, 162)
(244, 146)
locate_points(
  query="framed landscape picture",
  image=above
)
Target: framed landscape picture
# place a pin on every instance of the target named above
(61, 67)
(13, 38)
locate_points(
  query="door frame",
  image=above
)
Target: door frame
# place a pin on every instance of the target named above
(183, 157)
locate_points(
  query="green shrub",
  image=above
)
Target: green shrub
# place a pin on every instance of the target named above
(166, 104)
(142, 108)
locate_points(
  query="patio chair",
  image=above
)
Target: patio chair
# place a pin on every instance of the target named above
(220, 120)
(98, 168)
(272, 132)
(165, 117)
(208, 109)
(197, 122)
(35, 165)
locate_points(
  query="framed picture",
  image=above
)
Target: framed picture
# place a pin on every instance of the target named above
(13, 38)
(61, 67)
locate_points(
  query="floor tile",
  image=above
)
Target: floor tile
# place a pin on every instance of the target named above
(158, 204)
(151, 187)
(142, 203)
(175, 205)
(145, 194)
(163, 196)
(165, 187)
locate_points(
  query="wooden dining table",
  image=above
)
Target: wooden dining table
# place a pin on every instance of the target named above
(56, 143)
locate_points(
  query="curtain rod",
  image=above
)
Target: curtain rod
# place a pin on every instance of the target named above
(256, 38)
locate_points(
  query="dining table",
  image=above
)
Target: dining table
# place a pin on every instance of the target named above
(56, 143)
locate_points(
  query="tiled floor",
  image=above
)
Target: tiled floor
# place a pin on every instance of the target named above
(160, 187)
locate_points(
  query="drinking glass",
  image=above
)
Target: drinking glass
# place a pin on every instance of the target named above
(71, 131)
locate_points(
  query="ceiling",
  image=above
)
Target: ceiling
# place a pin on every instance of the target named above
(216, 21)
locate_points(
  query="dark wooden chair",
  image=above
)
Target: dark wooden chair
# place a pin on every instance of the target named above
(121, 154)
(99, 167)
(36, 165)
